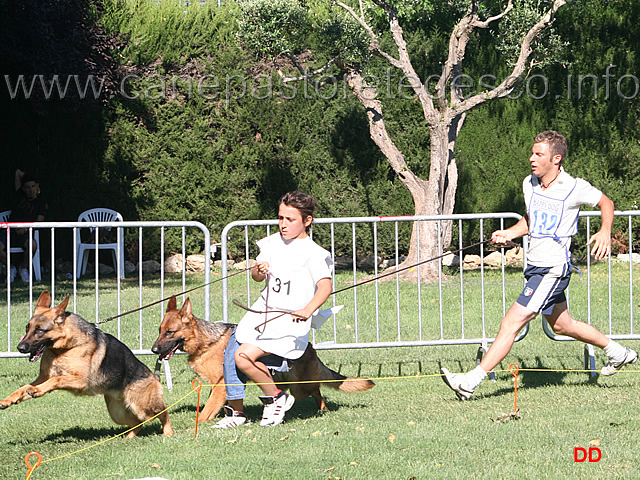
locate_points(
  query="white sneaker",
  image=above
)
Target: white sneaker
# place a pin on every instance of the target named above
(231, 419)
(611, 368)
(24, 274)
(455, 382)
(12, 274)
(275, 408)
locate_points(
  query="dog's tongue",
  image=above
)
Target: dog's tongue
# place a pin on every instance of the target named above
(168, 355)
(36, 356)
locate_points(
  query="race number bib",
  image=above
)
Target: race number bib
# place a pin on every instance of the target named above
(545, 214)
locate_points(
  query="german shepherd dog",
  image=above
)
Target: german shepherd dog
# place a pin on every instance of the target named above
(80, 358)
(205, 342)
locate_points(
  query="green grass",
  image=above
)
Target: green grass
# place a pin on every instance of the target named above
(409, 426)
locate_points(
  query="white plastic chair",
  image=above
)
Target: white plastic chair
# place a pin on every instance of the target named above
(98, 215)
(37, 272)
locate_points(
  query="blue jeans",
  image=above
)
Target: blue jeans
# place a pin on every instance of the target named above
(234, 379)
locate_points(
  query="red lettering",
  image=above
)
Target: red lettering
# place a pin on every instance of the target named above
(581, 455)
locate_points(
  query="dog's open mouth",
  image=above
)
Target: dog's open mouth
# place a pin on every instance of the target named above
(169, 354)
(35, 356)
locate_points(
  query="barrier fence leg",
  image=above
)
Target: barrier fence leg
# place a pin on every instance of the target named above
(167, 372)
(482, 349)
(590, 360)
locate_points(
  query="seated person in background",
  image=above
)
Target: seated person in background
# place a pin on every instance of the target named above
(28, 206)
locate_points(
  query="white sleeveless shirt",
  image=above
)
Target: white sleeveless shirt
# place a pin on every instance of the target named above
(295, 267)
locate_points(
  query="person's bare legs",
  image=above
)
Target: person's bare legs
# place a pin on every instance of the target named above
(246, 358)
(276, 402)
(514, 320)
(563, 324)
(560, 321)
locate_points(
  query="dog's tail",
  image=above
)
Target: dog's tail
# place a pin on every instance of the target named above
(337, 381)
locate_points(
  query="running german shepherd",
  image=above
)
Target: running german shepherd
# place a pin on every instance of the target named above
(205, 343)
(80, 358)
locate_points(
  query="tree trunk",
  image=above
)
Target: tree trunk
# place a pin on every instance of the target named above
(444, 119)
(431, 197)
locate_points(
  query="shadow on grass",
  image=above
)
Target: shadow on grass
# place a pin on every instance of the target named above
(75, 434)
(302, 409)
(536, 375)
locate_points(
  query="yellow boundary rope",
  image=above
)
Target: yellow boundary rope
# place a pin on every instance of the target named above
(197, 386)
(41, 462)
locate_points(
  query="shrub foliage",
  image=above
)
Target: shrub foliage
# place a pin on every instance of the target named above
(194, 128)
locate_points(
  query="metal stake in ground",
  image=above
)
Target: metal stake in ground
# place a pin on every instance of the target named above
(515, 415)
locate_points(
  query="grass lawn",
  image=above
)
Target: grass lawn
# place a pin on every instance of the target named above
(409, 426)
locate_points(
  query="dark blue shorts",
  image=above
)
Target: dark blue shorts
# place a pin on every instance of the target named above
(544, 287)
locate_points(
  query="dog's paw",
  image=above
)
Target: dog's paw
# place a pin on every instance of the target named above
(33, 392)
(4, 404)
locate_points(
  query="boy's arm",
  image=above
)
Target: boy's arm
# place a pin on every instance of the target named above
(322, 293)
(518, 230)
(601, 240)
(17, 179)
(259, 271)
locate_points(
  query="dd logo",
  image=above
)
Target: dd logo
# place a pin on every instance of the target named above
(581, 454)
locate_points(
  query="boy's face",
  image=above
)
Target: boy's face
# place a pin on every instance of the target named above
(291, 223)
(541, 160)
(31, 189)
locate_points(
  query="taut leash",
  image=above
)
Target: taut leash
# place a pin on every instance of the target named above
(174, 295)
(508, 244)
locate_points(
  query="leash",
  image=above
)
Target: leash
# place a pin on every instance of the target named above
(507, 244)
(170, 296)
(248, 309)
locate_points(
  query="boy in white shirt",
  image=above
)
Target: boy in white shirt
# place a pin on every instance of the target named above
(553, 199)
(298, 281)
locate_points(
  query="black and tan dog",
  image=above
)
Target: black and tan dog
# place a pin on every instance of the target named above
(205, 343)
(80, 358)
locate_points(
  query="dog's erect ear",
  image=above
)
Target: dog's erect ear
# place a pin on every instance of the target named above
(171, 304)
(60, 309)
(44, 300)
(185, 311)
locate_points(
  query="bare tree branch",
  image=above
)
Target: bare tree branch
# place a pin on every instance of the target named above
(374, 44)
(458, 41)
(403, 62)
(523, 64)
(490, 20)
(304, 73)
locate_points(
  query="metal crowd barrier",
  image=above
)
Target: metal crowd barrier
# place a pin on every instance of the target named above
(607, 305)
(124, 328)
(380, 313)
(439, 313)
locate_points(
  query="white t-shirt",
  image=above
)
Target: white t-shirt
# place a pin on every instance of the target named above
(553, 216)
(295, 267)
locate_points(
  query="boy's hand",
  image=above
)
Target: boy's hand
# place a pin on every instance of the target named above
(501, 237)
(601, 242)
(300, 316)
(262, 268)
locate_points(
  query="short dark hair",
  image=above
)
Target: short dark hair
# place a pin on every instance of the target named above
(301, 201)
(29, 177)
(556, 141)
